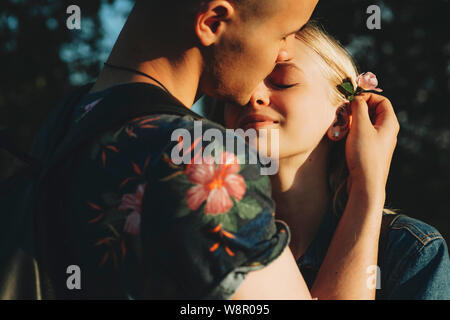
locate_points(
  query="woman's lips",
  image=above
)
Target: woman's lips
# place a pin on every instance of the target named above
(258, 125)
(256, 121)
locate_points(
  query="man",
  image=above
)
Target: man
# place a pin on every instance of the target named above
(140, 225)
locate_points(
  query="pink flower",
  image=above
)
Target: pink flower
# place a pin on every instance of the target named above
(214, 185)
(368, 81)
(133, 223)
(133, 201)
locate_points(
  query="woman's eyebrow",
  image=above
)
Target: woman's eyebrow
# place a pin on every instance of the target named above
(289, 65)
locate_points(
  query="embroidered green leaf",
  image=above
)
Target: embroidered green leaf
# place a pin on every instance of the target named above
(111, 199)
(248, 208)
(229, 220)
(114, 218)
(111, 227)
(171, 176)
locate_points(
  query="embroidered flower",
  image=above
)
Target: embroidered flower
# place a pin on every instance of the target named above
(133, 223)
(214, 185)
(368, 81)
(133, 201)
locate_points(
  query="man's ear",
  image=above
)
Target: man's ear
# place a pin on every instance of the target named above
(341, 124)
(211, 22)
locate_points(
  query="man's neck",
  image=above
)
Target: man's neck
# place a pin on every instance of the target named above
(181, 80)
(153, 54)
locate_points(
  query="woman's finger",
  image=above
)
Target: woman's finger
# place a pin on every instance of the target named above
(383, 115)
(359, 113)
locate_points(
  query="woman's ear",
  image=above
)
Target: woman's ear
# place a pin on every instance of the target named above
(211, 21)
(340, 127)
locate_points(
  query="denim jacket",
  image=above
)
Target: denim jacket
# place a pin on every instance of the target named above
(414, 265)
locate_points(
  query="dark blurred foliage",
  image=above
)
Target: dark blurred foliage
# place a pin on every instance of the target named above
(410, 55)
(34, 72)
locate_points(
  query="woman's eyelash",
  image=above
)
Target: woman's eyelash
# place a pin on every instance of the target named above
(282, 86)
(286, 86)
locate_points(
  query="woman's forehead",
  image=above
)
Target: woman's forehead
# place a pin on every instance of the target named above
(304, 62)
(304, 54)
(290, 66)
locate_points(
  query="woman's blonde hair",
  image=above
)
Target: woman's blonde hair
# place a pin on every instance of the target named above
(336, 64)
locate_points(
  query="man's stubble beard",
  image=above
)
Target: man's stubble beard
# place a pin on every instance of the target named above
(222, 78)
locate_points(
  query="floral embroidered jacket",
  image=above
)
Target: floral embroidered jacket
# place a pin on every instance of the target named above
(139, 225)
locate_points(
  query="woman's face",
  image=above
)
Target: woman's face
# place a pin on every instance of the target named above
(295, 99)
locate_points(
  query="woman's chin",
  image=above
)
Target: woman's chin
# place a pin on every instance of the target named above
(266, 143)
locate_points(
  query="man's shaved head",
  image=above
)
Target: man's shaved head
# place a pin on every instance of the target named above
(236, 42)
(247, 9)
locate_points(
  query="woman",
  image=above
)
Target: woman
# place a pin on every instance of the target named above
(306, 102)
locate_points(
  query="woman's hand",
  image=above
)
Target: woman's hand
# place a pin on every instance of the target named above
(354, 247)
(371, 141)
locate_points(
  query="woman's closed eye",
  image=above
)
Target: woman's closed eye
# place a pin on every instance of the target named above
(280, 85)
(285, 75)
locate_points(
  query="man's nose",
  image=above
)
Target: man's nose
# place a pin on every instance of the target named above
(260, 96)
(286, 52)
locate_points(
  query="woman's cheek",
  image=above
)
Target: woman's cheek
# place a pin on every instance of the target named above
(300, 128)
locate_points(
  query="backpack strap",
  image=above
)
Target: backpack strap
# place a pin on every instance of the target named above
(6, 143)
(62, 112)
(121, 105)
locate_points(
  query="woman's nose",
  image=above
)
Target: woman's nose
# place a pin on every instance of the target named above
(260, 96)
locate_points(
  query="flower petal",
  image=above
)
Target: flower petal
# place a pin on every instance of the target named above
(367, 81)
(133, 223)
(136, 168)
(218, 201)
(228, 162)
(200, 173)
(235, 185)
(140, 191)
(195, 196)
(130, 201)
